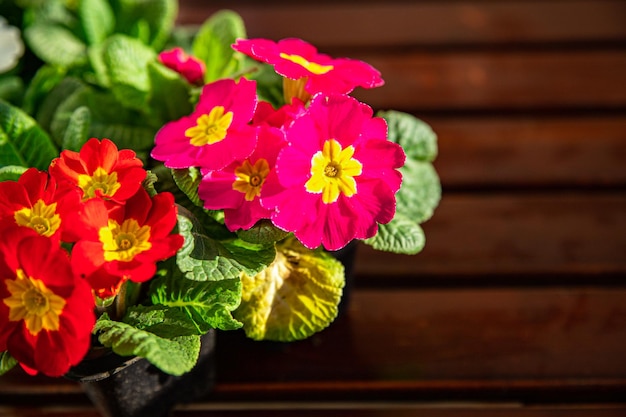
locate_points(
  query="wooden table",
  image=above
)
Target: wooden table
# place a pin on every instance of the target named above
(517, 306)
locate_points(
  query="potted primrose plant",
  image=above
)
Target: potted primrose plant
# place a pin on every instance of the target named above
(159, 183)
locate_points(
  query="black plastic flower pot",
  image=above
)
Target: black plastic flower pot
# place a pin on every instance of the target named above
(132, 387)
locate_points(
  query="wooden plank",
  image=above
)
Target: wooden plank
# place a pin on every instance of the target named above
(531, 151)
(520, 80)
(410, 410)
(530, 237)
(421, 345)
(334, 24)
(345, 410)
(425, 344)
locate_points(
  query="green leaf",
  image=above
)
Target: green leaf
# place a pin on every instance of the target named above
(97, 19)
(207, 304)
(295, 297)
(263, 232)
(415, 136)
(170, 93)
(109, 119)
(173, 356)
(22, 141)
(187, 181)
(420, 192)
(126, 60)
(51, 101)
(77, 132)
(161, 320)
(149, 20)
(44, 81)
(100, 74)
(56, 45)
(48, 11)
(205, 259)
(401, 235)
(250, 258)
(7, 362)
(213, 43)
(11, 89)
(11, 172)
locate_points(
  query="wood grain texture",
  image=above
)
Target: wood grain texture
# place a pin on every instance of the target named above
(531, 151)
(506, 80)
(429, 344)
(367, 24)
(421, 344)
(317, 409)
(528, 236)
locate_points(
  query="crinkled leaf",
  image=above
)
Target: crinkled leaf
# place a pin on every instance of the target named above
(295, 297)
(22, 141)
(263, 233)
(207, 304)
(174, 356)
(11, 172)
(213, 43)
(420, 192)
(126, 60)
(108, 120)
(7, 362)
(401, 235)
(414, 135)
(203, 258)
(56, 45)
(161, 320)
(251, 258)
(77, 132)
(97, 19)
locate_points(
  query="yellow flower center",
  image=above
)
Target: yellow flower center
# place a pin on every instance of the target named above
(312, 67)
(33, 302)
(99, 180)
(123, 242)
(250, 178)
(42, 218)
(332, 172)
(210, 128)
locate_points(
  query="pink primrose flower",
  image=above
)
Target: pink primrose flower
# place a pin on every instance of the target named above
(298, 60)
(237, 188)
(191, 68)
(281, 117)
(337, 178)
(216, 133)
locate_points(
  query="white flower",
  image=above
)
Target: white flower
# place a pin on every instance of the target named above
(11, 46)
